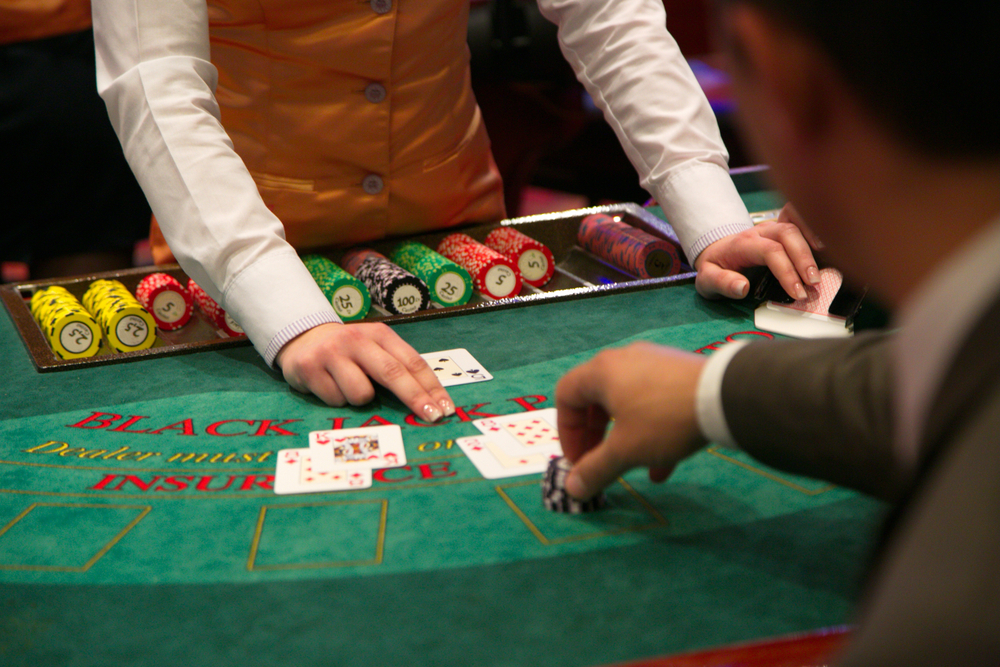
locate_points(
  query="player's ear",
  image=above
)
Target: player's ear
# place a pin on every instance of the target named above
(778, 73)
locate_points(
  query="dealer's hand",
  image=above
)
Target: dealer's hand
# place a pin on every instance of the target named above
(649, 392)
(335, 362)
(785, 246)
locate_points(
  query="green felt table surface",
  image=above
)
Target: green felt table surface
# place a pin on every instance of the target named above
(138, 526)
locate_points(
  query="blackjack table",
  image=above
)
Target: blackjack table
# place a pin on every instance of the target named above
(139, 524)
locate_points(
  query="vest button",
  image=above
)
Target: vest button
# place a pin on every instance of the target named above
(381, 6)
(374, 92)
(372, 184)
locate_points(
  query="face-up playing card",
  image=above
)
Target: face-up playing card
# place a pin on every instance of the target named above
(372, 447)
(494, 463)
(295, 473)
(523, 434)
(454, 367)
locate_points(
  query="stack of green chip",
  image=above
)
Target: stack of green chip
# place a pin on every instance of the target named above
(348, 295)
(449, 283)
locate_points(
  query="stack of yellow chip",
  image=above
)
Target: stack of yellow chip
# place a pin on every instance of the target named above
(70, 329)
(127, 325)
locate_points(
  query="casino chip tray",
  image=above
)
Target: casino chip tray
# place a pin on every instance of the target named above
(577, 274)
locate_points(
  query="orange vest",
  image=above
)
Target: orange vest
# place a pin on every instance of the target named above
(25, 20)
(355, 118)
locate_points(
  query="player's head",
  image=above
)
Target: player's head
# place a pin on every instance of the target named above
(874, 119)
(928, 73)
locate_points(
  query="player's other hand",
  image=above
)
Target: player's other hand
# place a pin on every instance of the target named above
(337, 362)
(649, 392)
(785, 246)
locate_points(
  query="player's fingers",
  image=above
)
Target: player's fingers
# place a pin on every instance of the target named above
(581, 426)
(796, 247)
(714, 281)
(417, 367)
(597, 468)
(658, 474)
(393, 374)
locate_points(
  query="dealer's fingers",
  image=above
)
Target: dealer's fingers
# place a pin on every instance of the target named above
(416, 366)
(714, 281)
(788, 213)
(392, 373)
(796, 248)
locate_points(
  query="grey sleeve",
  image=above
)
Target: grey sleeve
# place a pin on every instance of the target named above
(820, 408)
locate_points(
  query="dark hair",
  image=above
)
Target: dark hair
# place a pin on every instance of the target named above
(931, 73)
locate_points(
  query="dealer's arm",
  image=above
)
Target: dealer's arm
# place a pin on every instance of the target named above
(633, 69)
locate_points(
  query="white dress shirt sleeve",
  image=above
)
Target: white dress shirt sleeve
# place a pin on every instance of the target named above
(156, 78)
(633, 69)
(708, 396)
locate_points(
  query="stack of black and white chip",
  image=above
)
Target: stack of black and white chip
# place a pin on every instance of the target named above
(555, 497)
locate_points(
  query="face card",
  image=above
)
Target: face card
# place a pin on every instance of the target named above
(493, 462)
(454, 367)
(524, 433)
(294, 473)
(372, 447)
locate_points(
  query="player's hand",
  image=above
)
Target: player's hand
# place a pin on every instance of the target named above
(785, 246)
(649, 392)
(335, 362)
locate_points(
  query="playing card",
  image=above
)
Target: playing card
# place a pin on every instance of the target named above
(809, 317)
(524, 433)
(294, 473)
(372, 447)
(494, 463)
(454, 367)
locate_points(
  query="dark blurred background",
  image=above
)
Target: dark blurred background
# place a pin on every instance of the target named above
(551, 144)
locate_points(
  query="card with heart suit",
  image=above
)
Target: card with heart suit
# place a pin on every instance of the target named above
(525, 433)
(454, 367)
(371, 447)
(295, 473)
(493, 462)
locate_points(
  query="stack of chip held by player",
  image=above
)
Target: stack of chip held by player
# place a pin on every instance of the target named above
(216, 314)
(533, 259)
(348, 295)
(72, 332)
(449, 283)
(493, 274)
(166, 299)
(554, 495)
(392, 287)
(633, 250)
(127, 325)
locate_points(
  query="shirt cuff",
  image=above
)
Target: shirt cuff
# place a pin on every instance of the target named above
(294, 329)
(708, 396)
(701, 203)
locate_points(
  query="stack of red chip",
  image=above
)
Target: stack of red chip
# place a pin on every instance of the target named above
(208, 305)
(533, 260)
(166, 299)
(492, 274)
(628, 248)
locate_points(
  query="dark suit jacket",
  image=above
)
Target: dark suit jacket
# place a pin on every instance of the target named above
(825, 410)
